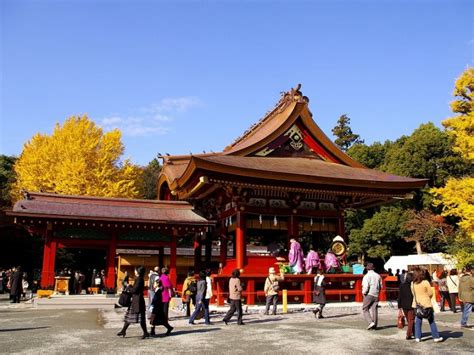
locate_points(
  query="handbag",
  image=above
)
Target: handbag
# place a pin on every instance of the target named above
(401, 319)
(420, 311)
(275, 285)
(125, 299)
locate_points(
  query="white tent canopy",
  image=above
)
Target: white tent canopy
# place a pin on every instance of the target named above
(402, 262)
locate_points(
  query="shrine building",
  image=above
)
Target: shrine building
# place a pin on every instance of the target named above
(282, 178)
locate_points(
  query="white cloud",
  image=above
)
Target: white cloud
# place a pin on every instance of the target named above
(174, 104)
(153, 119)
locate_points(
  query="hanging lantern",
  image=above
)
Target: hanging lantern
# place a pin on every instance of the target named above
(311, 222)
(323, 222)
(260, 219)
(275, 221)
(230, 220)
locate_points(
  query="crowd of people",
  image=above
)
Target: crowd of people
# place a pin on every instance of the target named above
(417, 298)
(15, 282)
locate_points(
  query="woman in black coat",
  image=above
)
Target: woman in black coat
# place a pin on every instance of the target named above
(405, 303)
(136, 311)
(319, 295)
(158, 315)
(16, 288)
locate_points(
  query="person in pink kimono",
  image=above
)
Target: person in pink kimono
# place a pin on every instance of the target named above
(296, 257)
(167, 290)
(312, 261)
(331, 262)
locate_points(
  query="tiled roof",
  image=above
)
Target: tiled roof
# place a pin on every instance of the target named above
(65, 206)
(306, 170)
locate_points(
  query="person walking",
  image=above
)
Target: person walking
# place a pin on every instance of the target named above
(319, 294)
(422, 293)
(158, 316)
(371, 286)
(201, 302)
(209, 294)
(136, 311)
(453, 287)
(444, 291)
(466, 295)
(271, 289)
(152, 277)
(235, 297)
(16, 285)
(168, 290)
(189, 292)
(405, 304)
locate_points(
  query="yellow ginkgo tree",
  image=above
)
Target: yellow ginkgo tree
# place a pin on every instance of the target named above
(78, 158)
(457, 196)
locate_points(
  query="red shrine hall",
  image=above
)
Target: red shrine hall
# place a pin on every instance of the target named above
(283, 178)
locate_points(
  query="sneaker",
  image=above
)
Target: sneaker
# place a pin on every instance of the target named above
(438, 340)
(418, 340)
(371, 325)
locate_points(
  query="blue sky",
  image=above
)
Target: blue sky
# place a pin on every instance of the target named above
(181, 76)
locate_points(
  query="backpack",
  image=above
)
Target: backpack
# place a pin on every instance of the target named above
(192, 287)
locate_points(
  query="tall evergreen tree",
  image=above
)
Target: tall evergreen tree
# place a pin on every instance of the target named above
(345, 138)
(150, 179)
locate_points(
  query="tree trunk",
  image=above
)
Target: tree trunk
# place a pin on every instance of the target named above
(418, 247)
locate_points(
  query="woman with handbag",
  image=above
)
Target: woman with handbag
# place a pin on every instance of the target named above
(405, 305)
(319, 296)
(136, 311)
(422, 293)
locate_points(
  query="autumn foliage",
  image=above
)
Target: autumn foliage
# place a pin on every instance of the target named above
(77, 159)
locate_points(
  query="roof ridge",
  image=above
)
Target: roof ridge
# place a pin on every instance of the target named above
(286, 98)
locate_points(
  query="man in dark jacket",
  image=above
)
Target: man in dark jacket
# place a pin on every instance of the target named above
(16, 285)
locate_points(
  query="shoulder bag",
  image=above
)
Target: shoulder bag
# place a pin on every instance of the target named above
(125, 299)
(420, 311)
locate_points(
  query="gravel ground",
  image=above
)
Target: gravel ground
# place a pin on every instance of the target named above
(30, 330)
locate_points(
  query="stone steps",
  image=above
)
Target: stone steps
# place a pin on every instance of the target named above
(76, 302)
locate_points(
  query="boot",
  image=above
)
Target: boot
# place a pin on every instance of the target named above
(152, 331)
(123, 332)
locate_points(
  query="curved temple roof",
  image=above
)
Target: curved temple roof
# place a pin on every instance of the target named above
(113, 209)
(312, 157)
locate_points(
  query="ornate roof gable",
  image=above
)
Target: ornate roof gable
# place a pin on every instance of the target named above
(288, 130)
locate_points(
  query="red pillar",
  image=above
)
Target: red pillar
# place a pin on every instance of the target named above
(173, 273)
(220, 292)
(250, 292)
(110, 273)
(308, 291)
(52, 261)
(358, 289)
(45, 271)
(240, 247)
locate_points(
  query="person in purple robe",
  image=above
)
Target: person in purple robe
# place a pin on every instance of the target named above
(330, 261)
(296, 256)
(312, 261)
